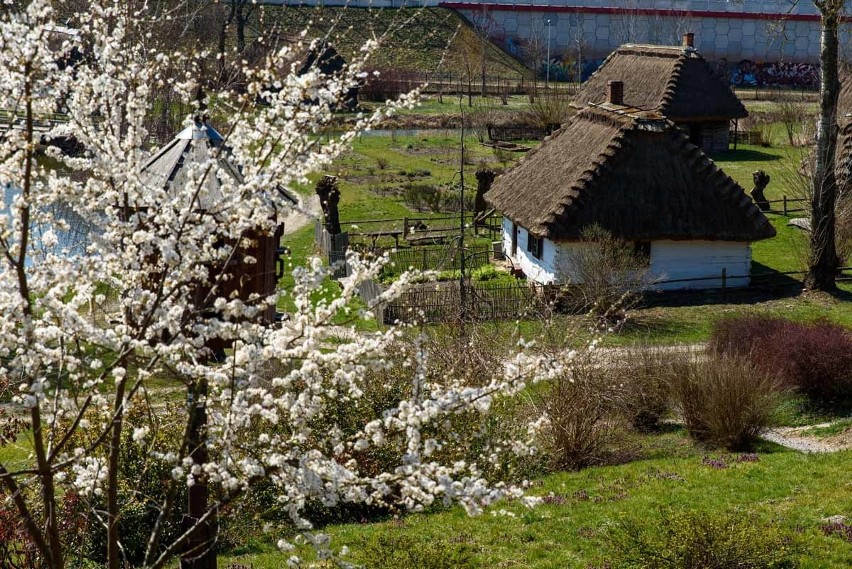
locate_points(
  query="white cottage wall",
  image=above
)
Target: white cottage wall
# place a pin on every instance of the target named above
(537, 270)
(674, 260)
(670, 260)
(556, 263)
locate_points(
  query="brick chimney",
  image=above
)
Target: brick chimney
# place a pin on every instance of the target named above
(615, 92)
(689, 39)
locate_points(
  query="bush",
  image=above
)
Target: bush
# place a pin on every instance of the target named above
(579, 407)
(725, 401)
(701, 540)
(742, 334)
(437, 199)
(815, 358)
(608, 276)
(645, 373)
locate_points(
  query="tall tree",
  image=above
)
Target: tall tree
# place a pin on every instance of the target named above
(86, 333)
(823, 261)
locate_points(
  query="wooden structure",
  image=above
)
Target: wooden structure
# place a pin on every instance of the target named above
(843, 150)
(637, 176)
(168, 168)
(675, 81)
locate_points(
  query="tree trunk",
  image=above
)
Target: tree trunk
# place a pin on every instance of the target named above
(823, 261)
(241, 27)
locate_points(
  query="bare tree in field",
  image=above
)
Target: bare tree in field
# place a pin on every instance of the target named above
(485, 26)
(823, 261)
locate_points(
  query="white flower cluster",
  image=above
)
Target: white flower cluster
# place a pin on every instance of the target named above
(88, 333)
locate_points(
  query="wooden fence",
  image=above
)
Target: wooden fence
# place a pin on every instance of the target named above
(442, 302)
(446, 258)
(787, 205)
(366, 233)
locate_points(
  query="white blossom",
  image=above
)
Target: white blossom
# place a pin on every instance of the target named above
(93, 334)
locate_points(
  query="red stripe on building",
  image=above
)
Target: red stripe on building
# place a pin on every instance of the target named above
(637, 12)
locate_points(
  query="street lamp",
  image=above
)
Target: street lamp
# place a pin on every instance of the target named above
(547, 62)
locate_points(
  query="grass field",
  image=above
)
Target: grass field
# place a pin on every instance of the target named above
(786, 490)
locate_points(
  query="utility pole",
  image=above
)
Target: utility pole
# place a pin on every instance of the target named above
(547, 61)
(462, 296)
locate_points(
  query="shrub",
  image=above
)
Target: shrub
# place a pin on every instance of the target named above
(607, 276)
(725, 401)
(579, 407)
(485, 273)
(701, 540)
(793, 115)
(815, 358)
(742, 334)
(645, 373)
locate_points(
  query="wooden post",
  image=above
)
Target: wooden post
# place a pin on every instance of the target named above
(736, 132)
(423, 265)
(785, 204)
(724, 283)
(405, 227)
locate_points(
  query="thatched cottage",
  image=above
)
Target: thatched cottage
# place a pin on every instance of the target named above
(675, 81)
(843, 150)
(636, 175)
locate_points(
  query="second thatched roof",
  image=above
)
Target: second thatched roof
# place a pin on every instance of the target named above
(675, 80)
(633, 173)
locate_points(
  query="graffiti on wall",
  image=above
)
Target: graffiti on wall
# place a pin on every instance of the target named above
(749, 73)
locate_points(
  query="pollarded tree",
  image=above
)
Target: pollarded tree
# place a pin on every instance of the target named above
(87, 334)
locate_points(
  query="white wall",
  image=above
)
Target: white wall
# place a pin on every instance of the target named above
(670, 260)
(555, 265)
(538, 270)
(673, 260)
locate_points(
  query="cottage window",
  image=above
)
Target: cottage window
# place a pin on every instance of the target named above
(535, 245)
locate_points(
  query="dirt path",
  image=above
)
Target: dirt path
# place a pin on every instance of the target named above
(306, 212)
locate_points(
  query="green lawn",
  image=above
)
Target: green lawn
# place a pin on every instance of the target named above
(791, 491)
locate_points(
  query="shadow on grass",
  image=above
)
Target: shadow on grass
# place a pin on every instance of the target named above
(840, 294)
(745, 155)
(762, 446)
(766, 284)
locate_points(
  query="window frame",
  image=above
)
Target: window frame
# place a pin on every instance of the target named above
(535, 245)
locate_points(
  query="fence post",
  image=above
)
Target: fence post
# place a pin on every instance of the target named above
(785, 204)
(724, 283)
(423, 265)
(405, 227)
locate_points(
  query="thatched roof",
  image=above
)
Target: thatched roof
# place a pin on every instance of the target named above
(633, 173)
(676, 81)
(843, 151)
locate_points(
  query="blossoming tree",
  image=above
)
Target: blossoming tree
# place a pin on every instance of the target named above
(87, 334)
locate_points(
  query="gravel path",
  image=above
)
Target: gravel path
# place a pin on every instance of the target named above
(793, 438)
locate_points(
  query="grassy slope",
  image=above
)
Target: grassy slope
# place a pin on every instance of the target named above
(792, 490)
(412, 39)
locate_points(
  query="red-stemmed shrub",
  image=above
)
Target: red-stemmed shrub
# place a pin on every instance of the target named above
(815, 358)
